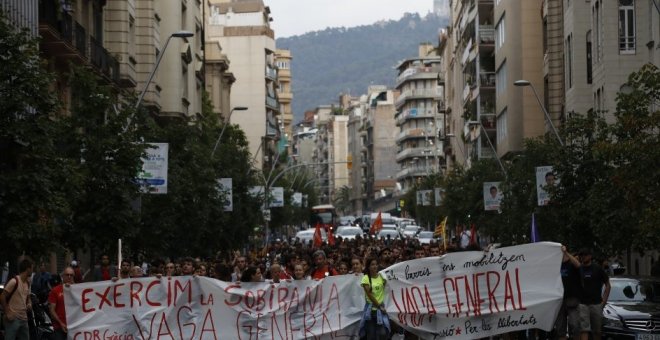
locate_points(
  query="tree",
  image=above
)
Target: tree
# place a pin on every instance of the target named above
(33, 175)
(342, 201)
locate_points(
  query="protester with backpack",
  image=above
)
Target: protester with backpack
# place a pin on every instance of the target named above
(15, 302)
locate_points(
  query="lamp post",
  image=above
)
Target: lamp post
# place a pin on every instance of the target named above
(523, 82)
(217, 142)
(179, 34)
(481, 127)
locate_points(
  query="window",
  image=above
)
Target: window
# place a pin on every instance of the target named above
(597, 20)
(500, 33)
(626, 26)
(589, 61)
(569, 61)
(501, 126)
(501, 80)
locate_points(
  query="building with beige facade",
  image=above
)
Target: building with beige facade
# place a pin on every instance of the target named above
(242, 29)
(283, 60)
(419, 117)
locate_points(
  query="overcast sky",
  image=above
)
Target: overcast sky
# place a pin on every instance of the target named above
(295, 17)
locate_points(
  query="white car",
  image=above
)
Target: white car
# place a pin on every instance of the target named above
(349, 233)
(393, 234)
(410, 230)
(425, 237)
(307, 235)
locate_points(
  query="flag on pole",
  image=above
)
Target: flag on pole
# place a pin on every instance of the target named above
(535, 232)
(318, 238)
(473, 235)
(331, 237)
(441, 230)
(377, 225)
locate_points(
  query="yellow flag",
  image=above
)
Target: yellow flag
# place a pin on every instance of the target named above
(441, 230)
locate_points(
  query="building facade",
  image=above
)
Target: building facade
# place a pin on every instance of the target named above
(419, 117)
(22, 14)
(283, 60)
(242, 29)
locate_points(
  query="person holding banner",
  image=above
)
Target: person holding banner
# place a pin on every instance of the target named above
(568, 313)
(56, 305)
(376, 325)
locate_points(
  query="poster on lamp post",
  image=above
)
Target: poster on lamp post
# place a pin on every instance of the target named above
(225, 188)
(153, 177)
(439, 193)
(276, 197)
(297, 199)
(492, 196)
(545, 178)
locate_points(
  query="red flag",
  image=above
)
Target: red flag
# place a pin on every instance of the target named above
(377, 225)
(473, 235)
(331, 237)
(318, 239)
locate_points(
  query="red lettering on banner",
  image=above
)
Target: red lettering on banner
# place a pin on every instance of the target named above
(104, 297)
(520, 304)
(409, 304)
(85, 300)
(333, 296)
(146, 295)
(491, 292)
(508, 292)
(116, 294)
(179, 288)
(167, 330)
(308, 327)
(295, 299)
(281, 299)
(208, 318)
(135, 294)
(180, 326)
(228, 291)
(206, 302)
(261, 302)
(318, 298)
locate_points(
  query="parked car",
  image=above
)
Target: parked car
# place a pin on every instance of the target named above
(411, 230)
(349, 233)
(347, 220)
(383, 233)
(425, 237)
(633, 309)
(307, 235)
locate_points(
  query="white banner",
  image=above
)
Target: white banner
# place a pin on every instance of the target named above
(225, 187)
(477, 294)
(492, 195)
(203, 308)
(464, 295)
(153, 177)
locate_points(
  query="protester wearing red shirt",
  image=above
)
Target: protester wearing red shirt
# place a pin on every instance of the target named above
(322, 269)
(56, 304)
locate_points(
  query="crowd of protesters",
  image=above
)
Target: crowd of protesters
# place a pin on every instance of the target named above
(586, 285)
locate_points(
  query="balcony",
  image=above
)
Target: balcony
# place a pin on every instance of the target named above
(271, 73)
(272, 103)
(103, 61)
(415, 113)
(416, 94)
(413, 152)
(410, 133)
(487, 79)
(488, 121)
(421, 72)
(486, 34)
(415, 171)
(62, 37)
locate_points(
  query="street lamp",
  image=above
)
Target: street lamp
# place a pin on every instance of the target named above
(481, 127)
(217, 142)
(523, 82)
(179, 34)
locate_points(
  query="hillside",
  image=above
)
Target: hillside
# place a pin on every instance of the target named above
(340, 60)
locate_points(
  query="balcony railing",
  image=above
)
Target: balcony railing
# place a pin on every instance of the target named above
(100, 58)
(432, 72)
(418, 93)
(81, 39)
(409, 133)
(271, 73)
(486, 34)
(272, 102)
(487, 79)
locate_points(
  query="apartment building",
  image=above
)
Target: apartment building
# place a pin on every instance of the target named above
(219, 79)
(242, 29)
(22, 14)
(355, 108)
(419, 116)
(378, 164)
(603, 42)
(283, 60)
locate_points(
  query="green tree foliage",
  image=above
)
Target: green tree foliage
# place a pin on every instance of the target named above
(32, 174)
(342, 201)
(190, 219)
